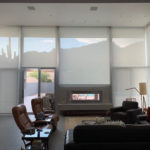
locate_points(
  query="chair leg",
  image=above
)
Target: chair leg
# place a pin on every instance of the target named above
(22, 148)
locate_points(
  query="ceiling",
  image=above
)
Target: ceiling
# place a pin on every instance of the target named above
(75, 14)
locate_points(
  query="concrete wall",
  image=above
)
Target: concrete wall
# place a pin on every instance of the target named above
(62, 96)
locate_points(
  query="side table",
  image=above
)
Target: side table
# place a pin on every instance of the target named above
(42, 135)
(142, 119)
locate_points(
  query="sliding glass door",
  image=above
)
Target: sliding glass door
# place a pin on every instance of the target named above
(37, 83)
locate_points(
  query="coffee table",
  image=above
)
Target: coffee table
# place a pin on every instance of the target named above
(103, 121)
(97, 121)
(42, 135)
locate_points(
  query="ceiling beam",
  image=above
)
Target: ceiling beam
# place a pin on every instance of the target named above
(74, 1)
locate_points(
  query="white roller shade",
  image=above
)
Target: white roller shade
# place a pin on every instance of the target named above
(9, 47)
(84, 56)
(39, 47)
(83, 32)
(39, 32)
(9, 53)
(9, 31)
(128, 32)
(128, 47)
(148, 60)
(123, 79)
(148, 44)
(8, 90)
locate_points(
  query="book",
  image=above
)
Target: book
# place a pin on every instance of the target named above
(37, 145)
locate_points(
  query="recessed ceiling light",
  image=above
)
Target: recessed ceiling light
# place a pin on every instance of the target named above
(93, 8)
(32, 8)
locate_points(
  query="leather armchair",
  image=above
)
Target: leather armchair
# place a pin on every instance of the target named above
(48, 102)
(127, 112)
(37, 107)
(23, 121)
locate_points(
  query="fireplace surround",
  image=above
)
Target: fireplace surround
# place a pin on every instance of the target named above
(68, 107)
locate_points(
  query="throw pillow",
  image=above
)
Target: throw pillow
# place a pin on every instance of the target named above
(46, 102)
(118, 123)
(100, 120)
(40, 116)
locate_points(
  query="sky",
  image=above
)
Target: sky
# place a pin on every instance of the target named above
(45, 44)
(40, 44)
(48, 44)
(68, 43)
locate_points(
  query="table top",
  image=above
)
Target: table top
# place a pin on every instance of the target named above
(48, 119)
(43, 134)
(88, 122)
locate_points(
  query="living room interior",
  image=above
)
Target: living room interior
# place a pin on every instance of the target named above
(91, 56)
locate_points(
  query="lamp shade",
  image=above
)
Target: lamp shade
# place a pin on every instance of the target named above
(142, 88)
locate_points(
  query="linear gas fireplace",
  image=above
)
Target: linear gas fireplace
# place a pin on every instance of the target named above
(85, 96)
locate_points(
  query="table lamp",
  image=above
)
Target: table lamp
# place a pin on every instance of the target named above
(142, 91)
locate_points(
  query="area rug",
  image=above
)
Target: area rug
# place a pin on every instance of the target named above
(71, 122)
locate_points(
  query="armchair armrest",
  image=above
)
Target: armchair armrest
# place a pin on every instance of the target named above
(46, 111)
(40, 122)
(132, 114)
(141, 117)
(68, 137)
(46, 115)
(116, 109)
(135, 111)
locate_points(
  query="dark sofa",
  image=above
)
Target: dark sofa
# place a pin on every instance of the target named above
(107, 137)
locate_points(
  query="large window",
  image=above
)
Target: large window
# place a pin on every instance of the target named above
(39, 51)
(84, 59)
(84, 56)
(128, 62)
(9, 50)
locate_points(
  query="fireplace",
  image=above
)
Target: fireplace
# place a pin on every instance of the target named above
(85, 96)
